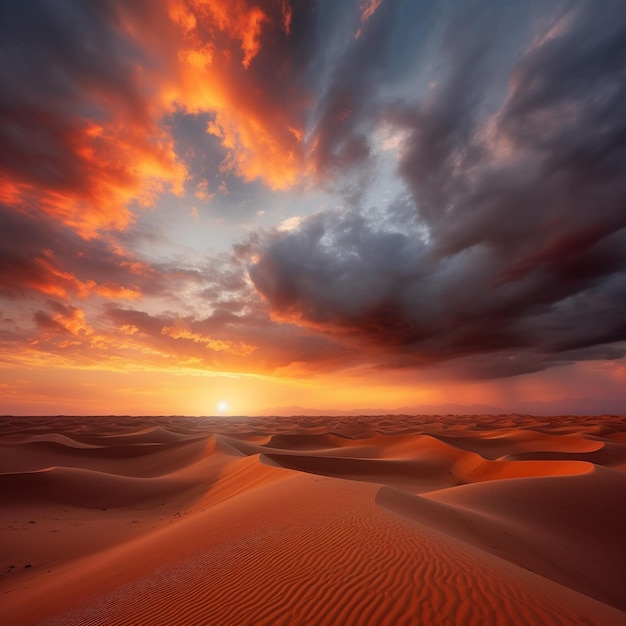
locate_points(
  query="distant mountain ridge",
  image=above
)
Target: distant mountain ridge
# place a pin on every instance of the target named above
(564, 406)
(574, 406)
(425, 409)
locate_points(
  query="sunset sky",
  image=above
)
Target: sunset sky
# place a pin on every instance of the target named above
(331, 204)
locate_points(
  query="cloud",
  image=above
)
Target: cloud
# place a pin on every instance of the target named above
(226, 340)
(69, 306)
(502, 253)
(513, 256)
(79, 139)
(106, 106)
(367, 9)
(241, 62)
(38, 255)
(339, 140)
(92, 91)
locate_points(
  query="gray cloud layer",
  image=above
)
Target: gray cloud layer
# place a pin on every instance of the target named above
(504, 253)
(515, 246)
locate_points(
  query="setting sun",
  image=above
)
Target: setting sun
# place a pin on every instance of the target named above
(222, 407)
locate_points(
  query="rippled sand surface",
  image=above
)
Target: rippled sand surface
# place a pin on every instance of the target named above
(389, 520)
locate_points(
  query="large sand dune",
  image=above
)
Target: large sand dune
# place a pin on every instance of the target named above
(511, 520)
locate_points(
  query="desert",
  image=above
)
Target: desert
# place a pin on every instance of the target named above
(312, 313)
(384, 520)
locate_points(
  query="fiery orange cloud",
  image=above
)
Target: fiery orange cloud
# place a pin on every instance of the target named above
(236, 18)
(218, 345)
(253, 152)
(98, 168)
(44, 275)
(68, 336)
(127, 157)
(262, 136)
(65, 328)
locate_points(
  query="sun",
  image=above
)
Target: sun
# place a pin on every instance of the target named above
(222, 406)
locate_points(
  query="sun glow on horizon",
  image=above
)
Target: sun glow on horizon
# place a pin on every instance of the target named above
(222, 406)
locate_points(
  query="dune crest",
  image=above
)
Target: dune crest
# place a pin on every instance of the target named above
(433, 520)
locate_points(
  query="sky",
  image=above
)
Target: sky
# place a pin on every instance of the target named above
(240, 205)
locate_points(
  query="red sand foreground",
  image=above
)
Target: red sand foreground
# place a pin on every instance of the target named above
(390, 520)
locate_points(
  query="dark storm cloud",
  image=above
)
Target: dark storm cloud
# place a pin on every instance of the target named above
(515, 256)
(352, 81)
(385, 60)
(59, 62)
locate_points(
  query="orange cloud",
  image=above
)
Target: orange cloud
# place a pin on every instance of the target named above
(367, 8)
(125, 163)
(240, 21)
(215, 72)
(44, 274)
(65, 328)
(217, 345)
(90, 163)
(92, 171)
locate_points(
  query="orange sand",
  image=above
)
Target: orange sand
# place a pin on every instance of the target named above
(356, 520)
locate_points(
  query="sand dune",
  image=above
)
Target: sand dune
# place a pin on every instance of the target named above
(313, 520)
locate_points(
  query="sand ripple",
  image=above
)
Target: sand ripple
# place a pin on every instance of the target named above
(348, 520)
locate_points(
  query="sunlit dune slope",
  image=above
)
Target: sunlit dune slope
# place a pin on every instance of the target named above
(343, 520)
